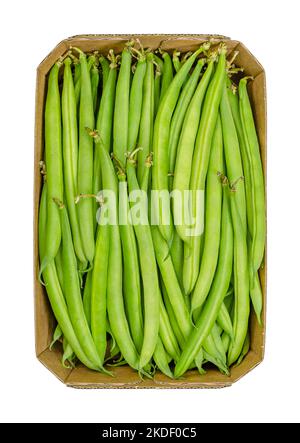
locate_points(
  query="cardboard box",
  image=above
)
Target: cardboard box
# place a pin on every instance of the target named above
(82, 377)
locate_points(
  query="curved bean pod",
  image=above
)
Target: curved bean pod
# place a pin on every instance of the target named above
(53, 159)
(70, 155)
(121, 113)
(213, 213)
(200, 164)
(85, 162)
(180, 112)
(149, 277)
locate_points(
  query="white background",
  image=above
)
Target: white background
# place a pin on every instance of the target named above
(29, 30)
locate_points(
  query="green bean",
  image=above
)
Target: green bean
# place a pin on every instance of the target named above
(131, 267)
(72, 292)
(98, 290)
(115, 304)
(57, 335)
(54, 292)
(68, 355)
(161, 138)
(105, 70)
(160, 358)
(120, 126)
(245, 349)
(70, 155)
(77, 81)
(53, 157)
(255, 288)
(85, 162)
(87, 296)
(104, 121)
(186, 144)
(232, 153)
(213, 213)
(59, 268)
(176, 252)
(224, 321)
(241, 282)
(135, 102)
(175, 295)
(213, 355)
(173, 321)
(215, 298)
(146, 123)
(95, 84)
(200, 164)
(176, 61)
(157, 84)
(226, 341)
(216, 335)
(149, 276)
(181, 111)
(235, 109)
(258, 200)
(167, 74)
(166, 333)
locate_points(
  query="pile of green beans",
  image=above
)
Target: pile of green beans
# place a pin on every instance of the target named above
(151, 295)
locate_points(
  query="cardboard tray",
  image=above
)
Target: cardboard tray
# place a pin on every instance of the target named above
(81, 377)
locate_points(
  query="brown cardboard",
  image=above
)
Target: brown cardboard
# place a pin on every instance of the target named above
(82, 377)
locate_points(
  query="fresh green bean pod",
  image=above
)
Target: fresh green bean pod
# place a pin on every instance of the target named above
(157, 85)
(245, 349)
(258, 198)
(57, 335)
(87, 293)
(73, 294)
(216, 335)
(68, 355)
(184, 155)
(232, 151)
(200, 164)
(160, 358)
(131, 267)
(95, 85)
(149, 276)
(146, 123)
(226, 341)
(216, 296)
(59, 268)
(167, 74)
(161, 139)
(85, 206)
(105, 70)
(105, 122)
(70, 156)
(224, 321)
(181, 111)
(176, 252)
(121, 114)
(135, 102)
(176, 61)
(53, 159)
(213, 214)
(170, 281)
(241, 282)
(255, 288)
(166, 333)
(99, 289)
